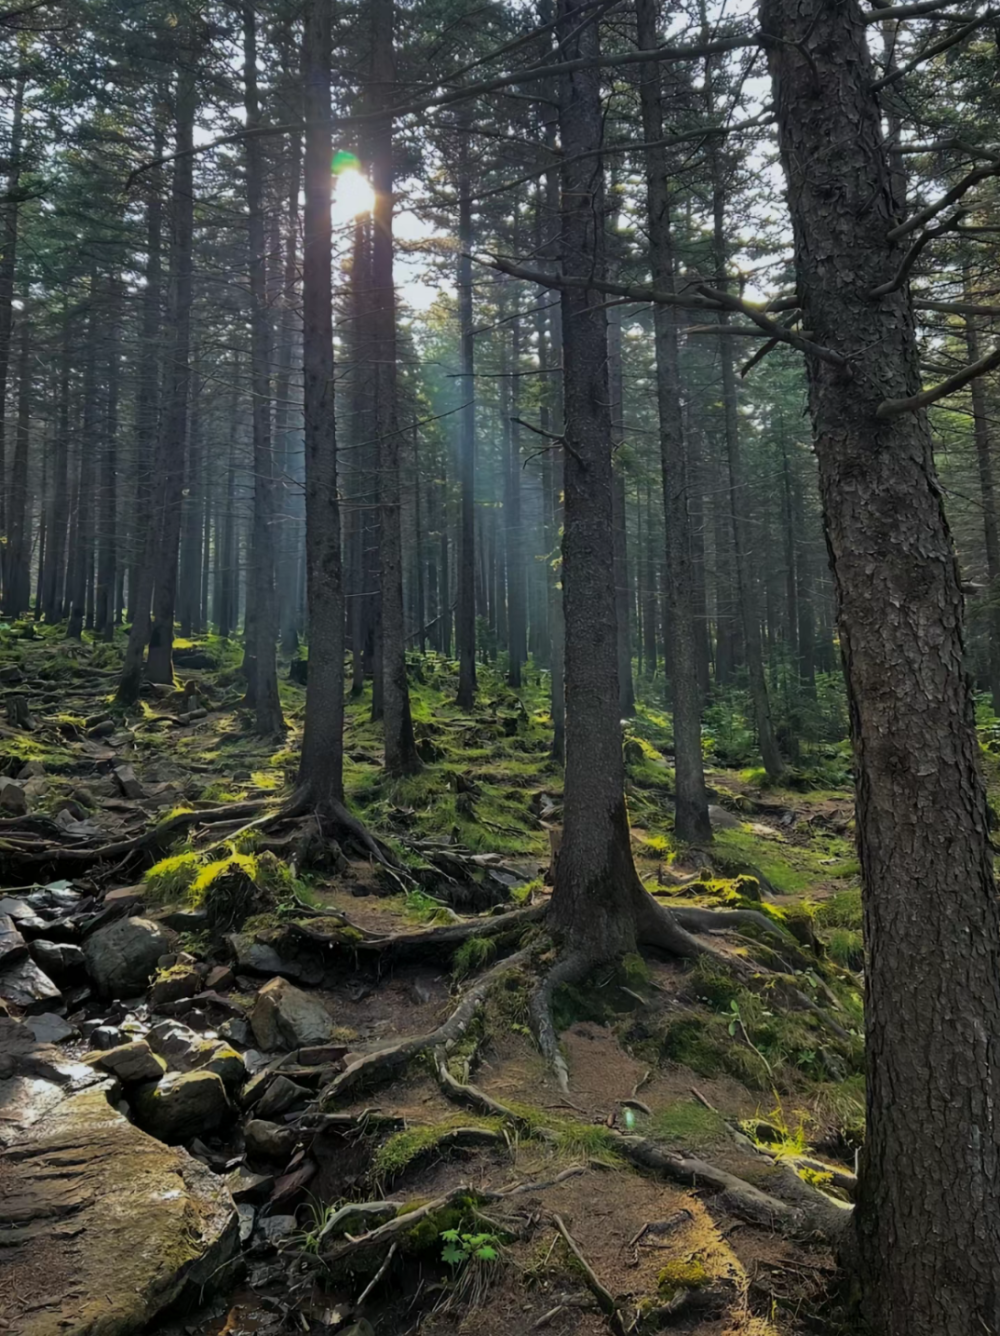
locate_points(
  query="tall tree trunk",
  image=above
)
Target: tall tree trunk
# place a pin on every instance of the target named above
(81, 551)
(158, 565)
(189, 587)
(400, 746)
(56, 563)
(517, 630)
(17, 588)
(284, 435)
(984, 459)
(321, 765)
(465, 617)
(264, 682)
(691, 820)
(8, 268)
(107, 538)
(929, 1267)
(616, 386)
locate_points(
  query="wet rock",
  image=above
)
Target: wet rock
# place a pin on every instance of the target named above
(13, 800)
(122, 955)
(273, 1228)
(227, 1064)
(125, 897)
(127, 782)
(237, 1031)
(132, 1063)
(24, 985)
(185, 920)
(246, 1186)
(219, 978)
(174, 983)
(280, 1096)
(284, 1016)
(271, 1141)
(34, 1077)
(48, 1028)
(322, 1055)
(254, 952)
(12, 945)
(182, 1105)
(174, 1042)
(104, 1227)
(61, 960)
(26, 919)
(106, 1037)
(186, 1051)
(247, 1216)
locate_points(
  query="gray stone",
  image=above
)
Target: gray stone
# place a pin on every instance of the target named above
(248, 1215)
(107, 1037)
(272, 1228)
(264, 958)
(24, 985)
(48, 1028)
(284, 1016)
(103, 1227)
(31, 770)
(280, 1096)
(132, 1063)
(721, 819)
(127, 782)
(13, 800)
(269, 1140)
(174, 983)
(60, 959)
(12, 944)
(122, 955)
(182, 1105)
(246, 1186)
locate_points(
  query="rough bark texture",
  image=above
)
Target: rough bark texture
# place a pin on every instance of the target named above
(465, 616)
(984, 459)
(321, 768)
(17, 584)
(691, 820)
(926, 1221)
(400, 746)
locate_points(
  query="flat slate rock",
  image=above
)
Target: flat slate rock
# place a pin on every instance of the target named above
(48, 1028)
(24, 985)
(13, 947)
(104, 1227)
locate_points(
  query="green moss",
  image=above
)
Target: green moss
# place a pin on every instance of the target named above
(171, 878)
(586, 1141)
(688, 1122)
(681, 1275)
(472, 955)
(396, 1154)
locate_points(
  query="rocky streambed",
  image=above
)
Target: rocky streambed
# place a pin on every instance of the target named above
(147, 1108)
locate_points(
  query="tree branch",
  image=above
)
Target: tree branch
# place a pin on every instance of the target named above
(934, 50)
(890, 408)
(949, 197)
(910, 258)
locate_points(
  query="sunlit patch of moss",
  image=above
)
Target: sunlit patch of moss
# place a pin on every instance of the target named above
(266, 779)
(586, 1141)
(395, 1155)
(679, 1275)
(688, 1123)
(171, 878)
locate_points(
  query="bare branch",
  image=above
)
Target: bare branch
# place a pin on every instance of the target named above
(893, 13)
(911, 256)
(890, 408)
(956, 308)
(934, 50)
(772, 327)
(949, 197)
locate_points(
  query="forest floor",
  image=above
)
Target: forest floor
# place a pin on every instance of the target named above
(750, 1069)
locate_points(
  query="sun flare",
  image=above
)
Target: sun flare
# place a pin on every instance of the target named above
(352, 195)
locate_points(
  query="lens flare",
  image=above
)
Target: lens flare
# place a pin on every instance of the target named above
(352, 195)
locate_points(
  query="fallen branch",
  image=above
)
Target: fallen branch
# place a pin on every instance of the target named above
(604, 1299)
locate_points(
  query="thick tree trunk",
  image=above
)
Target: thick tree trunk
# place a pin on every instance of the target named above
(616, 386)
(17, 587)
(189, 587)
(8, 268)
(55, 564)
(321, 766)
(465, 617)
(681, 652)
(517, 626)
(984, 459)
(81, 550)
(264, 681)
(928, 1230)
(107, 538)
(400, 746)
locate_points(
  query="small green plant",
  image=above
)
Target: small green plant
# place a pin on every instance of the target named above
(461, 1248)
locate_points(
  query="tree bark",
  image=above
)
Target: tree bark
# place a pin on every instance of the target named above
(107, 538)
(691, 821)
(55, 564)
(17, 588)
(400, 746)
(81, 549)
(8, 269)
(321, 765)
(465, 617)
(264, 682)
(927, 1229)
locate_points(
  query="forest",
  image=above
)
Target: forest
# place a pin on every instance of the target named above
(500, 668)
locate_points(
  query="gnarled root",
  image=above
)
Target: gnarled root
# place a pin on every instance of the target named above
(439, 942)
(571, 969)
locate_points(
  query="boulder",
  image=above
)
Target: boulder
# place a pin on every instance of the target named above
(220, 977)
(186, 1051)
(227, 1064)
(174, 983)
(127, 782)
(13, 800)
(283, 1016)
(12, 945)
(26, 919)
(280, 1096)
(132, 1063)
(61, 960)
(271, 952)
(48, 1028)
(24, 985)
(246, 1186)
(182, 1105)
(104, 1227)
(122, 955)
(34, 1078)
(269, 1140)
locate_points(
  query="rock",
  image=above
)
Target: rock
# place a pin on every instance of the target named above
(13, 800)
(264, 957)
(720, 819)
(185, 920)
(173, 1041)
(122, 955)
(104, 1227)
(187, 1051)
(220, 977)
(22, 914)
(227, 1064)
(32, 769)
(11, 674)
(58, 897)
(62, 960)
(274, 1227)
(247, 1215)
(24, 985)
(322, 1055)
(48, 1028)
(125, 897)
(269, 1140)
(107, 1037)
(237, 1031)
(127, 782)
(12, 945)
(283, 1016)
(280, 1095)
(131, 1063)
(182, 1105)
(246, 1186)
(177, 982)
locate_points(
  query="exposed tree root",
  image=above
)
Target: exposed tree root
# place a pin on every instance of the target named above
(383, 1063)
(439, 942)
(605, 1300)
(571, 969)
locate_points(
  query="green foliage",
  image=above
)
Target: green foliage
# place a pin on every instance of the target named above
(471, 956)
(171, 878)
(678, 1275)
(460, 1248)
(688, 1123)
